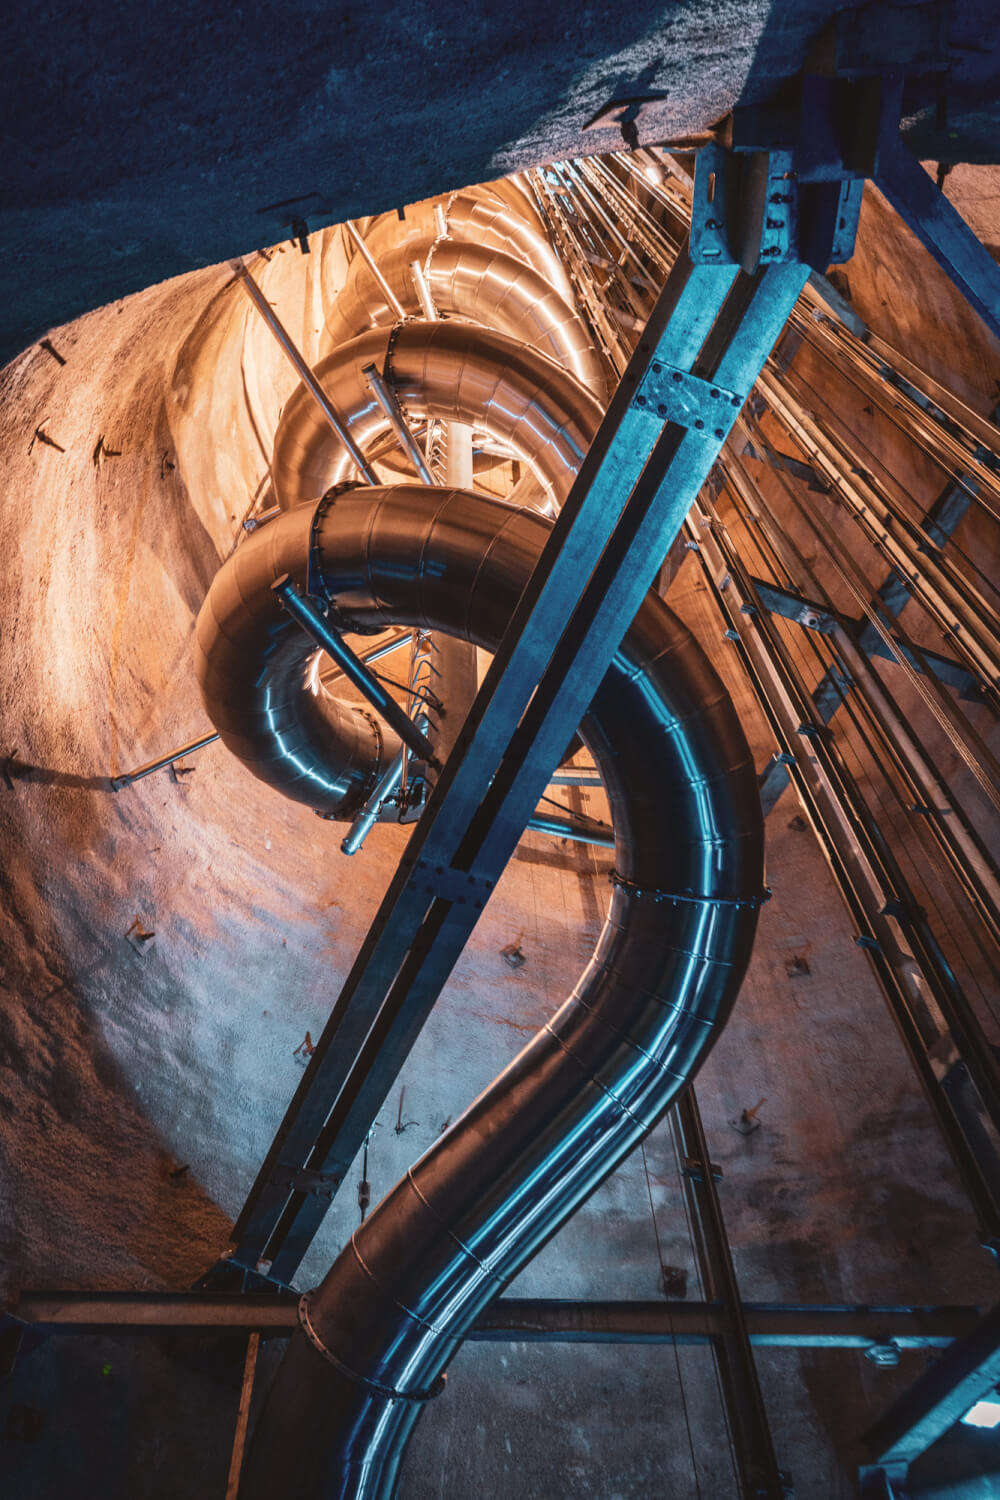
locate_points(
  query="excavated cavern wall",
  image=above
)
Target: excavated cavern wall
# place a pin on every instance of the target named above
(118, 1058)
(116, 1064)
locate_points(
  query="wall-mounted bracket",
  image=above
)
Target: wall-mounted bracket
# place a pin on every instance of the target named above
(787, 191)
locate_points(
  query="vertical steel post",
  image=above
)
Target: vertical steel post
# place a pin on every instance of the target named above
(756, 1463)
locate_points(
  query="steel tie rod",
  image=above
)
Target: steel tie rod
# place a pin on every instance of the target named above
(386, 398)
(305, 613)
(302, 369)
(369, 260)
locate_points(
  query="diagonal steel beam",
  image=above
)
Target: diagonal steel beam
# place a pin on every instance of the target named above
(921, 205)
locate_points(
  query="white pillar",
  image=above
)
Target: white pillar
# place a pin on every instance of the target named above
(458, 456)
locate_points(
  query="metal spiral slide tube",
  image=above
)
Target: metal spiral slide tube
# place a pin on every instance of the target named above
(452, 370)
(393, 1309)
(478, 282)
(477, 216)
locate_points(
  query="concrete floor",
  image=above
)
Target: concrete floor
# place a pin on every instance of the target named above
(121, 1060)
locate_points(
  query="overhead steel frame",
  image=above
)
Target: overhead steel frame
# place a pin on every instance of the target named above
(968, 1371)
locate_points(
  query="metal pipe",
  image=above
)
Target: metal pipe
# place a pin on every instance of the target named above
(302, 369)
(302, 610)
(843, 834)
(949, 598)
(946, 821)
(117, 782)
(369, 260)
(376, 653)
(368, 816)
(602, 179)
(386, 397)
(583, 831)
(896, 896)
(243, 1418)
(580, 272)
(252, 523)
(423, 291)
(959, 440)
(596, 211)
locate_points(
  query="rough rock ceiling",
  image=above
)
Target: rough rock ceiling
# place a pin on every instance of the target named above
(134, 153)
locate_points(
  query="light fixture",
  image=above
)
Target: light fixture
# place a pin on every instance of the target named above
(985, 1413)
(653, 174)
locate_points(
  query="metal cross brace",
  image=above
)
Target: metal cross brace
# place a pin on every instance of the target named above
(625, 508)
(37, 1315)
(833, 687)
(941, 520)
